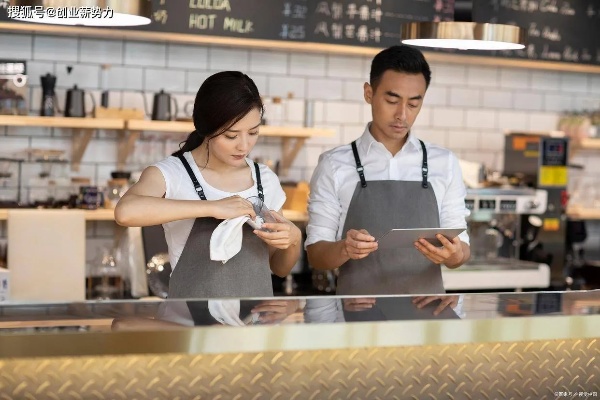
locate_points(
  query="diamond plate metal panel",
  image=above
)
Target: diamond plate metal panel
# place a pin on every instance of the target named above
(518, 370)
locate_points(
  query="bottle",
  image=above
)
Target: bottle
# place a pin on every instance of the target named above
(275, 113)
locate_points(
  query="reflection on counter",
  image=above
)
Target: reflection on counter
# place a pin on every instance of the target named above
(516, 345)
(155, 314)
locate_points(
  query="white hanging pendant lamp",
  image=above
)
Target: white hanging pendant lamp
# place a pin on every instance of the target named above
(463, 33)
(82, 12)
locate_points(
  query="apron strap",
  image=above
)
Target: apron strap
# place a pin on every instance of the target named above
(424, 168)
(199, 189)
(197, 185)
(359, 167)
(258, 182)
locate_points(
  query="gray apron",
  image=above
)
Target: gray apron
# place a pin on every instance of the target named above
(247, 274)
(378, 207)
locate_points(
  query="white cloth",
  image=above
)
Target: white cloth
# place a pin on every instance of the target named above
(180, 187)
(335, 177)
(226, 239)
(226, 312)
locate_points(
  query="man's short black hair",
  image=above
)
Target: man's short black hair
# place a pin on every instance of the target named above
(401, 58)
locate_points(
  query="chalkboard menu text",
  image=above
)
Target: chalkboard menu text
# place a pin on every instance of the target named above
(565, 31)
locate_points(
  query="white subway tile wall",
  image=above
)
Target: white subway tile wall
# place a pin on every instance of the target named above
(145, 54)
(529, 101)
(445, 117)
(165, 79)
(186, 56)
(481, 119)
(354, 90)
(85, 76)
(267, 62)
(465, 97)
(482, 76)
(16, 46)
(228, 59)
(101, 51)
(467, 107)
(346, 67)
(558, 102)
(324, 88)
(512, 78)
(302, 64)
(574, 83)
(545, 80)
(54, 48)
(124, 78)
(497, 98)
(282, 86)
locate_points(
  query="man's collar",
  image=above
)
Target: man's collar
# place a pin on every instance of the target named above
(367, 140)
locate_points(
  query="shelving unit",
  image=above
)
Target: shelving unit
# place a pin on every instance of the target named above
(585, 144)
(292, 141)
(82, 129)
(104, 214)
(293, 138)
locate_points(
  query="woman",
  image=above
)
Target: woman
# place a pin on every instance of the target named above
(212, 166)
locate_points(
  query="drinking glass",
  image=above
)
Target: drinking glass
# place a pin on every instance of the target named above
(263, 214)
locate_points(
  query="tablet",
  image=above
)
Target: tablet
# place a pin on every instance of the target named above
(401, 238)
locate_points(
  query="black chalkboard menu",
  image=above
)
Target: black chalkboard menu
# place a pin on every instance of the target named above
(375, 23)
(559, 30)
(358, 22)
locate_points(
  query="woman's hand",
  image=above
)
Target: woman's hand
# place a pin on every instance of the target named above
(283, 233)
(274, 311)
(232, 207)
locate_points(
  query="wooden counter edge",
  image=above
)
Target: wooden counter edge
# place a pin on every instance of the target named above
(105, 214)
(293, 337)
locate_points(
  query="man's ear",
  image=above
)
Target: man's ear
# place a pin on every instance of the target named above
(368, 92)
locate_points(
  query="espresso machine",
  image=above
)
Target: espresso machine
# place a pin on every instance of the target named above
(504, 225)
(540, 162)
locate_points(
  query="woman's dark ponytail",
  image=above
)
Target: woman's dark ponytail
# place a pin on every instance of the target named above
(222, 100)
(193, 141)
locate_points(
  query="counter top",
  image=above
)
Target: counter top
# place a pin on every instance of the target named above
(104, 214)
(205, 327)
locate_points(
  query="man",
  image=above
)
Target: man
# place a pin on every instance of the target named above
(388, 179)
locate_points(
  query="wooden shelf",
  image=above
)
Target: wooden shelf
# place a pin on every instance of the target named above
(104, 214)
(187, 127)
(581, 213)
(61, 122)
(90, 215)
(293, 138)
(83, 129)
(586, 144)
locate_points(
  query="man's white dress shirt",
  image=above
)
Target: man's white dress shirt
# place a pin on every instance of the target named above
(335, 177)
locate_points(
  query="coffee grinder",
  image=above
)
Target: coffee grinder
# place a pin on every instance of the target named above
(48, 95)
(540, 161)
